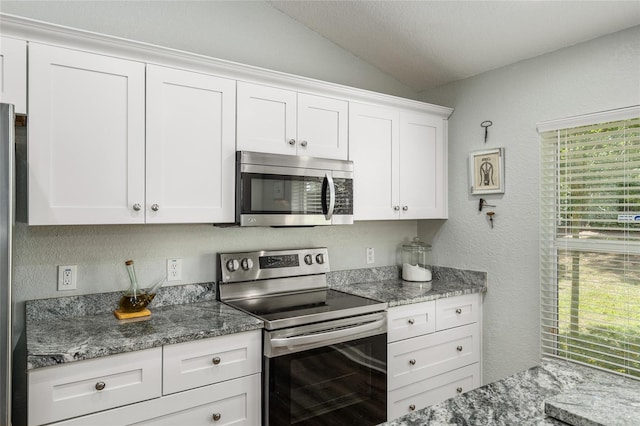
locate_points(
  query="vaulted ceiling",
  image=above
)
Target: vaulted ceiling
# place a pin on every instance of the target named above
(424, 44)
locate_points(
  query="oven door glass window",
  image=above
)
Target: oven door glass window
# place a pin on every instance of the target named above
(342, 384)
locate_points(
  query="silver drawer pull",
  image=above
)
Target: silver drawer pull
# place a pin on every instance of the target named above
(216, 416)
(458, 311)
(100, 386)
(459, 348)
(155, 207)
(412, 407)
(412, 361)
(137, 207)
(411, 321)
(459, 390)
(292, 142)
(216, 360)
(303, 143)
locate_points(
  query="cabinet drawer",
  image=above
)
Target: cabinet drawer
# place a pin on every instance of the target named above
(457, 311)
(64, 391)
(237, 402)
(408, 321)
(432, 390)
(426, 356)
(203, 362)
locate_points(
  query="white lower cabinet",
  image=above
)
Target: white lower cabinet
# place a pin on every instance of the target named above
(433, 352)
(212, 381)
(431, 391)
(233, 402)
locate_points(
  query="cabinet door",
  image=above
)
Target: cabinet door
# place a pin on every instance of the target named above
(13, 73)
(422, 167)
(266, 119)
(322, 127)
(432, 390)
(69, 390)
(233, 402)
(373, 148)
(86, 138)
(190, 147)
(432, 354)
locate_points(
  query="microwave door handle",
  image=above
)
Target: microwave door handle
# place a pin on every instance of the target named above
(328, 210)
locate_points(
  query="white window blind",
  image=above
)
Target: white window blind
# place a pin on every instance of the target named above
(590, 240)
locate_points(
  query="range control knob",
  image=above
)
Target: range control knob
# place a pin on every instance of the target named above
(320, 258)
(246, 264)
(308, 259)
(232, 265)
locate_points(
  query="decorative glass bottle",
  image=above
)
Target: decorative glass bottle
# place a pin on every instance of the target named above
(134, 299)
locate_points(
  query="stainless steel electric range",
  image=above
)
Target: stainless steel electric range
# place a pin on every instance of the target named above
(325, 351)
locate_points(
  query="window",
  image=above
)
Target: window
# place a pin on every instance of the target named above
(590, 240)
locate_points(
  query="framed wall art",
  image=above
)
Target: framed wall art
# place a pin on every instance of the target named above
(486, 171)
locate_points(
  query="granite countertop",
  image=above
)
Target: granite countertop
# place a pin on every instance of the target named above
(447, 282)
(53, 338)
(68, 329)
(556, 392)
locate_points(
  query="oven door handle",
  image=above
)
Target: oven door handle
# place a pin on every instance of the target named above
(327, 210)
(324, 337)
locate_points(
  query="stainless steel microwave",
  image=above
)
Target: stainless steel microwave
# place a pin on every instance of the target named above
(287, 190)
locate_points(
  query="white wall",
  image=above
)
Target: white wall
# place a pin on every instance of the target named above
(248, 32)
(594, 76)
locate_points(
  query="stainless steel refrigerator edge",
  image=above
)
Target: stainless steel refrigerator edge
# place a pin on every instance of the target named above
(7, 213)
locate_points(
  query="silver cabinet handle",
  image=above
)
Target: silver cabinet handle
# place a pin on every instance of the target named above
(459, 348)
(405, 208)
(412, 407)
(216, 360)
(459, 390)
(396, 208)
(292, 142)
(411, 321)
(216, 417)
(100, 386)
(458, 311)
(155, 207)
(137, 207)
(412, 361)
(303, 143)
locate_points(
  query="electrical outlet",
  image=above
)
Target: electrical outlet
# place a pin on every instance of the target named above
(371, 256)
(174, 269)
(67, 277)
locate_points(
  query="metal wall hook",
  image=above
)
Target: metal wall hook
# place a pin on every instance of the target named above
(483, 203)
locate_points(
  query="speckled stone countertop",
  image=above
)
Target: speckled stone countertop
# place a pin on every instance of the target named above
(543, 395)
(71, 329)
(384, 284)
(67, 329)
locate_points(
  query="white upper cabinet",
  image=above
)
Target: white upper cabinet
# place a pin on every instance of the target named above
(89, 159)
(399, 163)
(282, 121)
(13, 73)
(374, 144)
(423, 168)
(86, 138)
(190, 147)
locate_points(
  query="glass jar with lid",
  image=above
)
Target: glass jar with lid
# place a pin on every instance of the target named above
(416, 259)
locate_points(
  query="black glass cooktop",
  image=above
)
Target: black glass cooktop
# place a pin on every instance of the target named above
(307, 307)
